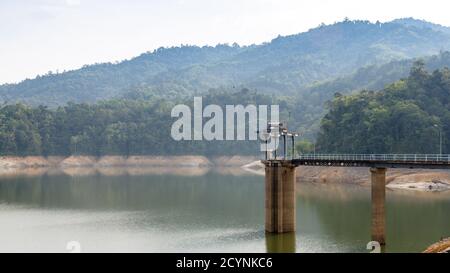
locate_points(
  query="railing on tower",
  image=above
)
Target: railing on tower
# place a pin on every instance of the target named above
(272, 135)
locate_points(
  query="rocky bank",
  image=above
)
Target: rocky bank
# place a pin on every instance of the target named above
(397, 179)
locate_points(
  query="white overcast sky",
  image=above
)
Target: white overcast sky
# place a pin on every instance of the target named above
(37, 36)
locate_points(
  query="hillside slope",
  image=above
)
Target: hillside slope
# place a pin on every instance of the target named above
(286, 65)
(406, 117)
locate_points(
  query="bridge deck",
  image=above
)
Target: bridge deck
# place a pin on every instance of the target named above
(411, 161)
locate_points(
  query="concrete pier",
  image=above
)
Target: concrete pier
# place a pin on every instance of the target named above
(378, 177)
(280, 196)
(280, 182)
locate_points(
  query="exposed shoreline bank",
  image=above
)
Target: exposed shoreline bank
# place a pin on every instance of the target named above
(15, 162)
(11, 166)
(443, 246)
(397, 179)
(194, 165)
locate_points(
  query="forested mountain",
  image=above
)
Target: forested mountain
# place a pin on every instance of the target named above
(102, 81)
(310, 103)
(376, 77)
(405, 117)
(421, 24)
(285, 65)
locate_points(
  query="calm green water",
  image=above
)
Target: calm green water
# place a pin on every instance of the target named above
(207, 213)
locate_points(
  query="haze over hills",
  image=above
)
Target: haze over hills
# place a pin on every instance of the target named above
(284, 66)
(311, 102)
(376, 77)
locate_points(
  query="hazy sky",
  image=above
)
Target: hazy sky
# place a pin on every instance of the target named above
(41, 35)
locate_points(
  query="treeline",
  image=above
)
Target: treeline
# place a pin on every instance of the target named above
(405, 117)
(116, 127)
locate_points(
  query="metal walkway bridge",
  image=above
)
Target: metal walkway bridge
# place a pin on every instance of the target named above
(411, 161)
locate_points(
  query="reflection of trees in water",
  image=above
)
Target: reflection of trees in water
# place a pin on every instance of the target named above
(216, 196)
(341, 213)
(280, 243)
(413, 224)
(344, 213)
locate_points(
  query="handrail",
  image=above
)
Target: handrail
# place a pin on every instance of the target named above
(436, 158)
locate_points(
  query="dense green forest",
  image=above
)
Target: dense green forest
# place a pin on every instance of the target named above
(405, 117)
(287, 65)
(116, 127)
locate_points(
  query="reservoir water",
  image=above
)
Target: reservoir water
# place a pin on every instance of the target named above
(201, 211)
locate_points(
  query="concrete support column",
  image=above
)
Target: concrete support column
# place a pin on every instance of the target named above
(378, 177)
(280, 196)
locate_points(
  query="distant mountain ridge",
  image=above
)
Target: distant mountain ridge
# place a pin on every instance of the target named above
(285, 65)
(376, 77)
(421, 24)
(311, 103)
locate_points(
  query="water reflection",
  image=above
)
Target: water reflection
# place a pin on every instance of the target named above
(123, 171)
(280, 243)
(414, 220)
(202, 211)
(208, 193)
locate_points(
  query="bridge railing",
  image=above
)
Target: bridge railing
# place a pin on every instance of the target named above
(378, 157)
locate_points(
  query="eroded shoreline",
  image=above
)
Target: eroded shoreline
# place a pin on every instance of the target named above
(8, 162)
(194, 165)
(120, 165)
(397, 179)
